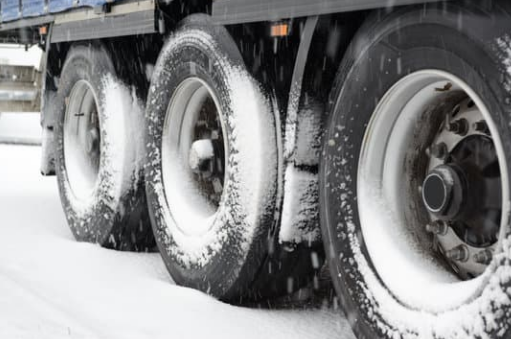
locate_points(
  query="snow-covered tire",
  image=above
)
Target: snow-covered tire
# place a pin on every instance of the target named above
(463, 49)
(103, 200)
(225, 251)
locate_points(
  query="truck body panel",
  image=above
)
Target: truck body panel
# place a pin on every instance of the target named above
(223, 11)
(242, 11)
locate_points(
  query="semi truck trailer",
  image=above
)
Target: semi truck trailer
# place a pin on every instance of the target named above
(251, 142)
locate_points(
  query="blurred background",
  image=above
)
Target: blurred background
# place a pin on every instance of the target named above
(19, 94)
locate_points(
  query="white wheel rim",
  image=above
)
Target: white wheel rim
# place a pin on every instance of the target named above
(393, 239)
(82, 140)
(193, 212)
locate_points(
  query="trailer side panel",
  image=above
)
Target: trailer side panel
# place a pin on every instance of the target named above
(241, 11)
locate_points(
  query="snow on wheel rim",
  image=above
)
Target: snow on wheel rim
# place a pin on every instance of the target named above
(412, 246)
(82, 138)
(194, 154)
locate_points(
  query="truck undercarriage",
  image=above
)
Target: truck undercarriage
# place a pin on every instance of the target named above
(252, 142)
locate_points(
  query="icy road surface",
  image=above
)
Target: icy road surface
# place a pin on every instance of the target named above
(53, 287)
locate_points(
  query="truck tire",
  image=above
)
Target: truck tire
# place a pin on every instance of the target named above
(414, 179)
(96, 162)
(212, 165)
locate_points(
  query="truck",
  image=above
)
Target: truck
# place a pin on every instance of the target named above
(252, 142)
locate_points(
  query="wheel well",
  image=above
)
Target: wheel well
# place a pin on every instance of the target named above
(133, 68)
(272, 60)
(331, 40)
(172, 12)
(135, 58)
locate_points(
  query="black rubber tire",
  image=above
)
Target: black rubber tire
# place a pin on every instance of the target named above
(238, 266)
(116, 216)
(473, 43)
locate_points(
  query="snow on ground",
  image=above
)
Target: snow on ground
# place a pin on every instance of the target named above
(20, 128)
(53, 287)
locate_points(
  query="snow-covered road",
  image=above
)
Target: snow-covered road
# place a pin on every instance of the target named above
(53, 287)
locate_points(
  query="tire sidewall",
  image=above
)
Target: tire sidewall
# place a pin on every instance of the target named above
(369, 72)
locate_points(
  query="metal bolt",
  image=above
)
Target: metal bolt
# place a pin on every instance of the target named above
(481, 127)
(484, 257)
(439, 150)
(459, 253)
(459, 127)
(437, 228)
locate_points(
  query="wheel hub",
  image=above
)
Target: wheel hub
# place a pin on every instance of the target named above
(82, 139)
(206, 157)
(442, 192)
(194, 155)
(462, 191)
(429, 131)
(200, 155)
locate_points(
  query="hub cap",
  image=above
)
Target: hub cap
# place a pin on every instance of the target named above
(82, 151)
(442, 191)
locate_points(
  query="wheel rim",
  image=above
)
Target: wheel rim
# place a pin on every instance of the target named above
(82, 139)
(193, 157)
(430, 190)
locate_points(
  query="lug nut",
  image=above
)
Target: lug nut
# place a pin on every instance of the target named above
(459, 127)
(439, 150)
(484, 257)
(437, 228)
(481, 127)
(459, 253)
